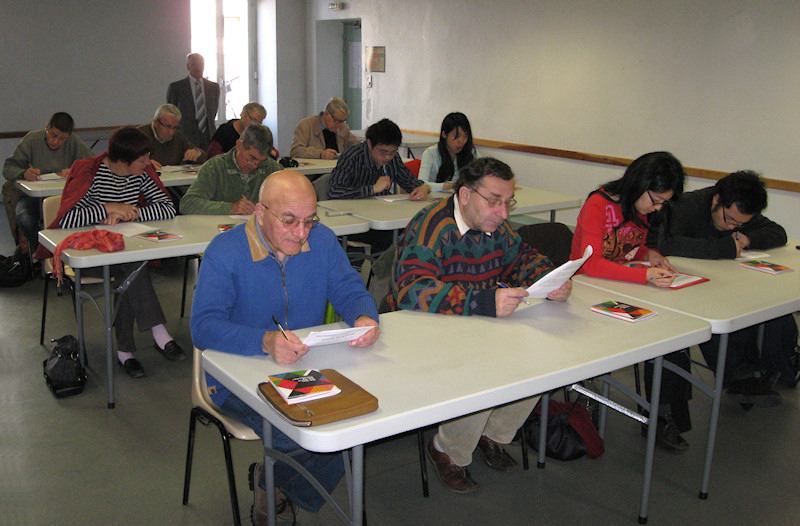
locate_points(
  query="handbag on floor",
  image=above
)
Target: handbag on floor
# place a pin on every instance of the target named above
(570, 431)
(63, 372)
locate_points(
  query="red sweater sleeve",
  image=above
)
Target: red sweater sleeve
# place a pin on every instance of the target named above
(595, 218)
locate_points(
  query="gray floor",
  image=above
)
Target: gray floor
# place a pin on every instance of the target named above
(73, 461)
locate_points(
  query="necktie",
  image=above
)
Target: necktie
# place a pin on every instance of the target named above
(200, 106)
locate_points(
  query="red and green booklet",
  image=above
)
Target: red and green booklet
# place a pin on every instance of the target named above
(623, 311)
(303, 386)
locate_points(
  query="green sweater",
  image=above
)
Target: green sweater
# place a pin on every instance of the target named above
(219, 184)
(32, 150)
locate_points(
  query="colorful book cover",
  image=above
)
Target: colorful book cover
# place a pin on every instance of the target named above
(303, 386)
(765, 266)
(623, 311)
(159, 236)
(227, 226)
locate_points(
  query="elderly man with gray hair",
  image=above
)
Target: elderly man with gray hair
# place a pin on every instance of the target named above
(229, 183)
(168, 145)
(227, 134)
(326, 135)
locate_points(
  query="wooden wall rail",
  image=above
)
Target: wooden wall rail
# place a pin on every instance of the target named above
(19, 134)
(776, 184)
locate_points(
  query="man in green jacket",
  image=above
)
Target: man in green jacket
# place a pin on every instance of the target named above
(228, 184)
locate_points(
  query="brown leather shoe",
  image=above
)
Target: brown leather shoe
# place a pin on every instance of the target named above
(455, 478)
(495, 456)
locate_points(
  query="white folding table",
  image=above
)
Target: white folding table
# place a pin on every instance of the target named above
(428, 368)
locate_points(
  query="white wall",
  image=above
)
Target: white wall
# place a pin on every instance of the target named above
(715, 82)
(105, 63)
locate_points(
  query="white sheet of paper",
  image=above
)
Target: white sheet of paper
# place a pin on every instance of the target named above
(127, 228)
(52, 176)
(240, 217)
(393, 197)
(558, 276)
(747, 255)
(334, 336)
(179, 168)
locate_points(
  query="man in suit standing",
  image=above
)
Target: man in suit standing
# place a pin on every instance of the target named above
(197, 99)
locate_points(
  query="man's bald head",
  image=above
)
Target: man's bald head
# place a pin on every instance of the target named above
(286, 184)
(286, 212)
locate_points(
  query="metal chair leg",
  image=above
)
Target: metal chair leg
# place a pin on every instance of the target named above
(423, 467)
(206, 419)
(44, 309)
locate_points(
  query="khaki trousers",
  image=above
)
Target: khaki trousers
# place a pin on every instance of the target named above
(459, 437)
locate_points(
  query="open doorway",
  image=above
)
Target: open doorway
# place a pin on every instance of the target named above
(220, 33)
(339, 65)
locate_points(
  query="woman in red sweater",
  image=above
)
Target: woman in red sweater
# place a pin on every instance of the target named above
(614, 220)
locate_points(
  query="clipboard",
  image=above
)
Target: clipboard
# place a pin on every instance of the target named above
(352, 401)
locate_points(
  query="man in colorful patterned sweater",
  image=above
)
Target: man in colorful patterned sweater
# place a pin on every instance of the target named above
(461, 256)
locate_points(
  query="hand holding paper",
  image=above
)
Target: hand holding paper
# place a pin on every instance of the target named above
(335, 336)
(557, 277)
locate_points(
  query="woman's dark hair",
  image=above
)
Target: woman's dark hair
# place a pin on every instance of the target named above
(451, 122)
(656, 172)
(127, 144)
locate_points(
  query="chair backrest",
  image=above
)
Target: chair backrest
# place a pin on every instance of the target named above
(554, 240)
(321, 184)
(201, 399)
(413, 167)
(50, 209)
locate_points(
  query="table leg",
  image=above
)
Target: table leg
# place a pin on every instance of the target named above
(652, 422)
(715, 403)
(79, 316)
(269, 474)
(545, 404)
(552, 216)
(357, 491)
(109, 322)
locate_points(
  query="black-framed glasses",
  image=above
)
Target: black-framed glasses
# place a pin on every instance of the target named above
(656, 203)
(730, 222)
(494, 202)
(255, 119)
(173, 128)
(292, 222)
(337, 121)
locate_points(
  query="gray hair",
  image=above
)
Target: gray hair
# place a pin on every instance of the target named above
(190, 55)
(337, 104)
(259, 137)
(167, 108)
(250, 106)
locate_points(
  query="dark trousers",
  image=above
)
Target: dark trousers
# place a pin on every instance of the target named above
(675, 391)
(139, 302)
(742, 360)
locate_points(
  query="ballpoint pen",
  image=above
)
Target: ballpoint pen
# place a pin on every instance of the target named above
(504, 286)
(280, 327)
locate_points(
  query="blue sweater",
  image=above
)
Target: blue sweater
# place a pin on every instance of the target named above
(241, 286)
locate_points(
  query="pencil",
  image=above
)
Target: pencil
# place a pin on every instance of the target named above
(504, 286)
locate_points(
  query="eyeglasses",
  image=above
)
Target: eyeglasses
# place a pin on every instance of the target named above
(292, 222)
(494, 202)
(729, 222)
(255, 119)
(337, 121)
(173, 128)
(656, 203)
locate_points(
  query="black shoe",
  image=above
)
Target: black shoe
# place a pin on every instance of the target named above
(133, 368)
(171, 351)
(667, 435)
(754, 392)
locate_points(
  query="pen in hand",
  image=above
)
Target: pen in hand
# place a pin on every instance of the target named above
(280, 327)
(504, 286)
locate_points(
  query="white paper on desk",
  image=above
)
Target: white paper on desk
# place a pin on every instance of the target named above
(52, 176)
(335, 336)
(127, 228)
(179, 168)
(747, 255)
(240, 217)
(557, 277)
(393, 197)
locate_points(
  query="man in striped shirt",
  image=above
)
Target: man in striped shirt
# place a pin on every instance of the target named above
(121, 185)
(374, 168)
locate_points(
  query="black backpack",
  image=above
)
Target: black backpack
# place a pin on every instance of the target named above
(63, 372)
(779, 351)
(13, 273)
